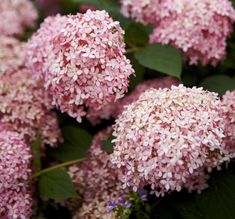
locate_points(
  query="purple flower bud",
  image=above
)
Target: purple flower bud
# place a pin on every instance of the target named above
(128, 205)
(143, 194)
(122, 200)
(143, 197)
(111, 205)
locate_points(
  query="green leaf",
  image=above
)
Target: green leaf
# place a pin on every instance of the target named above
(217, 202)
(56, 185)
(36, 146)
(218, 83)
(136, 34)
(165, 59)
(76, 143)
(107, 146)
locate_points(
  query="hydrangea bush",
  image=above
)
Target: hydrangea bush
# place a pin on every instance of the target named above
(117, 109)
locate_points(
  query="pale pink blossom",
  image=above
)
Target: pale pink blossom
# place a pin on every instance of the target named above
(198, 27)
(81, 59)
(15, 171)
(165, 82)
(12, 55)
(16, 16)
(143, 11)
(25, 104)
(112, 110)
(169, 139)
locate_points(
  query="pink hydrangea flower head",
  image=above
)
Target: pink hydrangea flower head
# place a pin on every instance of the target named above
(198, 27)
(36, 54)
(165, 82)
(143, 11)
(81, 58)
(228, 101)
(16, 16)
(25, 104)
(16, 202)
(15, 170)
(168, 135)
(112, 110)
(15, 157)
(12, 54)
(97, 179)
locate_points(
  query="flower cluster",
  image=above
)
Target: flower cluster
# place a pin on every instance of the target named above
(197, 27)
(169, 139)
(25, 104)
(165, 82)
(228, 102)
(115, 109)
(81, 59)
(15, 170)
(12, 54)
(97, 180)
(16, 16)
(143, 11)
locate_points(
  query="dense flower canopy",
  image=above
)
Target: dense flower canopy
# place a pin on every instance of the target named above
(15, 170)
(115, 109)
(81, 58)
(123, 94)
(16, 16)
(228, 102)
(168, 136)
(198, 27)
(12, 54)
(97, 180)
(26, 105)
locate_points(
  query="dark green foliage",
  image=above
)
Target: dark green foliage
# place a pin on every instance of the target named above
(76, 143)
(56, 185)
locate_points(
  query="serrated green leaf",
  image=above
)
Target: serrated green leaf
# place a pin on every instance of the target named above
(165, 59)
(56, 185)
(76, 143)
(218, 83)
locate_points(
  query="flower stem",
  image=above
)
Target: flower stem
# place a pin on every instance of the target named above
(134, 49)
(68, 163)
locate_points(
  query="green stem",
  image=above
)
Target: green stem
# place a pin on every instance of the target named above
(134, 49)
(71, 162)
